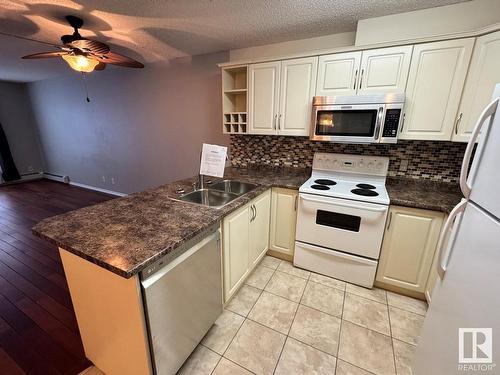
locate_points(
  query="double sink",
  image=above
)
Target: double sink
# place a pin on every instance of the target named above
(218, 194)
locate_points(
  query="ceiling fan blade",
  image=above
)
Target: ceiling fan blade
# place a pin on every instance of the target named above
(117, 59)
(44, 55)
(29, 39)
(87, 45)
(100, 66)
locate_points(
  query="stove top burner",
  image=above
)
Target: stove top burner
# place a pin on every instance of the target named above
(324, 181)
(364, 192)
(320, 187)
(365, 186)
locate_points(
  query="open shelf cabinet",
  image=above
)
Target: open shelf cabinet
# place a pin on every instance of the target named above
(234, 100)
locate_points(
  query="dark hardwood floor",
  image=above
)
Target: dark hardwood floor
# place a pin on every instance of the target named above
(38, 330)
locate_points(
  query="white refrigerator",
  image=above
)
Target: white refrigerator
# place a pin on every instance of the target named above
(461, 332)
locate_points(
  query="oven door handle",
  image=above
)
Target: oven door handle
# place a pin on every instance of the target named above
(372, 209)
(380, 113)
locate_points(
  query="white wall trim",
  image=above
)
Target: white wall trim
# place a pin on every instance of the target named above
(54, 177)
(106, 191)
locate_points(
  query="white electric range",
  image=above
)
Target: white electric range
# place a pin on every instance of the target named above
(341, 217)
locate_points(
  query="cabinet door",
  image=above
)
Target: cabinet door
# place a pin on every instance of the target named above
(408, 248)
(337, 74)
(283, 220)
(484, 73)
(236, 236)
(384, 70)
(259, 227)
(263, 102)
(298, 85)
(437, 75)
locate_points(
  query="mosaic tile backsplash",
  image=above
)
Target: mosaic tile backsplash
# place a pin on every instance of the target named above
(430, 160)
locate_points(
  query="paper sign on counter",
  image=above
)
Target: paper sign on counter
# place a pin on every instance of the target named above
(213, 160)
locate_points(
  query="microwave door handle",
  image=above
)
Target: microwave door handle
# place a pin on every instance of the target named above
(487, 112)
(379, 123)
(373, 209)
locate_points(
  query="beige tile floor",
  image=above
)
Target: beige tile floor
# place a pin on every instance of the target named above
(285, 320)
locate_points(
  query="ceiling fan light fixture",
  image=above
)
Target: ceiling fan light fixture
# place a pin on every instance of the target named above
(80, 63)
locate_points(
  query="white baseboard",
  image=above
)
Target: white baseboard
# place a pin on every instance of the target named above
(58, 178)
(106, 191)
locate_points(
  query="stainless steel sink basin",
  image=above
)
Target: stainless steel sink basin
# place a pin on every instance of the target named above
(233, 186)
(209, 197)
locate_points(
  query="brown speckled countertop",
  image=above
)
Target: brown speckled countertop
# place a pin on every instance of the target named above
(125, 235)
(437, 196)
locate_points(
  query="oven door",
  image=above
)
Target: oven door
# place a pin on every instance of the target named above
(347, 123)
(339, 224)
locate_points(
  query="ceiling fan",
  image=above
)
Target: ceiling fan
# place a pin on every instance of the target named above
(85, 55)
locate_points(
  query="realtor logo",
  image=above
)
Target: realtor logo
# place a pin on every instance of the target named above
(475, 345)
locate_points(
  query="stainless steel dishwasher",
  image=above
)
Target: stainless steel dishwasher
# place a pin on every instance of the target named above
(182, 299)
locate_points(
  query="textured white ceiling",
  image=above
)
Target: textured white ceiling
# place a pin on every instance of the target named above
(157, 30)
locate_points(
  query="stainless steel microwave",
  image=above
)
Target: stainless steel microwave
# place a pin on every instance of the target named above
(357, 118)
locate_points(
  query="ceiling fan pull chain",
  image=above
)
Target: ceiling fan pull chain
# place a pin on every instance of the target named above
(86, 88)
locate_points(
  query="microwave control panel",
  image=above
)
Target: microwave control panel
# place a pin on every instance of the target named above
(391, 122)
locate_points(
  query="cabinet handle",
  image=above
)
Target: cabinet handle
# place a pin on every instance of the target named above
(458, 122)
(296, 202)
(361, 78)
(252, 207)
(274, 121)
(403, 123)
(279, 122)
(389, 221)
(355, 79)
(255, 212)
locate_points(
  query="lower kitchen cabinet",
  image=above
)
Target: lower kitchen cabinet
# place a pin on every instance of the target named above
(408, 249)
(259, 228)
(283, 221)
(245, 234)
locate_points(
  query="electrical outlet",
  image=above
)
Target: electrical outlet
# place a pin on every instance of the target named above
(103, 179)
(403, 166)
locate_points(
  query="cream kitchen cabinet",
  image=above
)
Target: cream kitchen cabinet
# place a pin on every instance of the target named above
(259, 227)
(280, 96)
(338, 74)
(383, 70)
(283, 221)
(245, 236)
(483, 74)
(408, 249)
(437, 75)
(263, 97)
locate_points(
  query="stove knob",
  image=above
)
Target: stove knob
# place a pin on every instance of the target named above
(370, 165)
(361, 164)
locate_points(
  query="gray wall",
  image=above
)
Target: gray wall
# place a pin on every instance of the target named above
(142, 128)
(18, 123)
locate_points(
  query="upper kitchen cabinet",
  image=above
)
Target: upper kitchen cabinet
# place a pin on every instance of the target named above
(280, 96)
(483, 74)
(435, 82)
(383, 70)
(298, 85)
(337, 74)
(234, 99)
(264, 91)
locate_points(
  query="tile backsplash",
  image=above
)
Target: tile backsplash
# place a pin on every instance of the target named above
(430, 160)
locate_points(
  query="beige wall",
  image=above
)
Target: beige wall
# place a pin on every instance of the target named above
(292, 47)
(142, 127)
(462, 17)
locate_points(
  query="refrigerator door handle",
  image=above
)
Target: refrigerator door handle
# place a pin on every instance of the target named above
(487, 112)
(442, 263)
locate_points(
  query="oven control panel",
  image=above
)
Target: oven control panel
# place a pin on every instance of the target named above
(345, 163)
